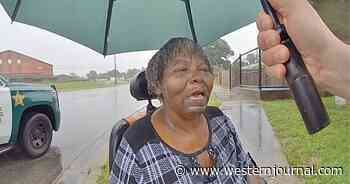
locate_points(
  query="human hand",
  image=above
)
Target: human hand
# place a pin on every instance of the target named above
(310, 35)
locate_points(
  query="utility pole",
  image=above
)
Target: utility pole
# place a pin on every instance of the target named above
(260, 70)
(230, 75)
(115, 70)
(240, 69)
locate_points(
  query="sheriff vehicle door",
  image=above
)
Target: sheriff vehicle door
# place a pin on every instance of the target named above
(5, 113)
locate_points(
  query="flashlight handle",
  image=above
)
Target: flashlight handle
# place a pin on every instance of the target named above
(300, 82)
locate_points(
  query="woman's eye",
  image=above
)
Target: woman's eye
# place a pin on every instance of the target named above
(204, 69)
(181, 69)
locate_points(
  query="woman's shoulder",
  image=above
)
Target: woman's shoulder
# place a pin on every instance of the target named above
(219, 120)
(139, 134)
(213, 112)
(216, 116)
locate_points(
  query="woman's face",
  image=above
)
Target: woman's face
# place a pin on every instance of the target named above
(186, 85)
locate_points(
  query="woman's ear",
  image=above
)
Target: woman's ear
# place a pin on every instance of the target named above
(158, 92)
(157, 89)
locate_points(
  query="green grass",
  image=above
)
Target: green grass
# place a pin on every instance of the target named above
(83, 85)
(103, 177)
(330, 147)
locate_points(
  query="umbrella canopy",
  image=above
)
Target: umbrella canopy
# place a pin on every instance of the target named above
(117, 26)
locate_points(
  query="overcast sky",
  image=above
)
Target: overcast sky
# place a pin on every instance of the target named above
(68, 56)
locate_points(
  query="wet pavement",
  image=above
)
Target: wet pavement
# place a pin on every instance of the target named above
(15, 168)
(255, 131)
(80, 146)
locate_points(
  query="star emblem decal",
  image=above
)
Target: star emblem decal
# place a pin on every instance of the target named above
(18, 98)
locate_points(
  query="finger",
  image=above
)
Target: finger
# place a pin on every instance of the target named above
(275, 55)
(264, 22)
(278, 71)
(268, 39)
(278, 4)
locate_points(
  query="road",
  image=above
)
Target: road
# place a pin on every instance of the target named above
(80, 144)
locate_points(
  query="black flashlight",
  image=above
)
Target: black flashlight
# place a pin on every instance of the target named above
(299, 80)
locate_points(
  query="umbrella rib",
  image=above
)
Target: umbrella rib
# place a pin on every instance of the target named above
(107, 27)
(190, 20)
(14, 14)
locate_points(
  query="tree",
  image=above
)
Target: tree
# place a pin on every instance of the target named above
(251, 58)
(103, 76)
(74, 76)
(92, 75)
(218, 53)
(123, 75)
(131, 73)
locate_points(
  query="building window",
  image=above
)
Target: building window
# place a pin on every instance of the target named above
(0, 61)
(39, 67)
(9, 61)
(18, 61)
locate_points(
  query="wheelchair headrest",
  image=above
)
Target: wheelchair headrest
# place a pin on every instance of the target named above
(138, 87)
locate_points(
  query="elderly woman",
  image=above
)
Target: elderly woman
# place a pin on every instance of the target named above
(183, 134)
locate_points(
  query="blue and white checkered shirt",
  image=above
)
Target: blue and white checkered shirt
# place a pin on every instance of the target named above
(143, 158)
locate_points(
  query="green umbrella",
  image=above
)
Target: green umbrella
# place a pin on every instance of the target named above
(117, 26)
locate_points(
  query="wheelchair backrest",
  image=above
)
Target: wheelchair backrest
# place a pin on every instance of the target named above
(118, 131)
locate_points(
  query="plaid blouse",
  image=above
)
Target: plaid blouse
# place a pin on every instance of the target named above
(143, 157)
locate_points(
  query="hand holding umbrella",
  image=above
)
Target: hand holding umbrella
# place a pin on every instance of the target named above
(325, 56)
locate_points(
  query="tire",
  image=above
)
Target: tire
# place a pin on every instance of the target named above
(35, 134)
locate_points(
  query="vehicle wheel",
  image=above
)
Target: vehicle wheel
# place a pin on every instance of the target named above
(36, 134)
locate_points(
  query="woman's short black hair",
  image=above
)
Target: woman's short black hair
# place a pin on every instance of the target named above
(175, 47)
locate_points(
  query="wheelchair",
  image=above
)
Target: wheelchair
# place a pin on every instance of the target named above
(138, 89)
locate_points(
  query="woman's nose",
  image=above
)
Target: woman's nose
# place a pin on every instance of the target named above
(196, 77)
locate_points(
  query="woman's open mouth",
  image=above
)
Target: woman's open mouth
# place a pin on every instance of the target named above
(198, 97)
(196, 101)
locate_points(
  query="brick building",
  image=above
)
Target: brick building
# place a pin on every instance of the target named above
(17, 65)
